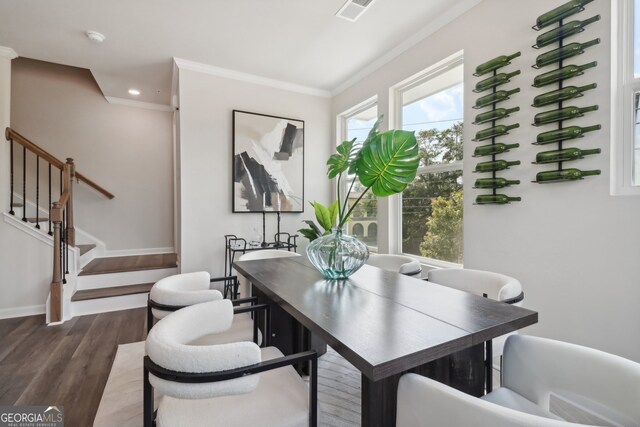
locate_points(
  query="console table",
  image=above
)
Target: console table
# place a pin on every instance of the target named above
(237, 245)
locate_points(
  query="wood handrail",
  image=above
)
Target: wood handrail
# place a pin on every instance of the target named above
(93, 185)
(12, 135)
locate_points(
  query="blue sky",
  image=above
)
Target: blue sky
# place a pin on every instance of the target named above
(438, 111)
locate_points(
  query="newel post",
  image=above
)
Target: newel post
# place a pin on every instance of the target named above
(55, 303)
(69, 175)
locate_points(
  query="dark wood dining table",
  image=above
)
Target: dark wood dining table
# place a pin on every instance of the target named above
(385, 324)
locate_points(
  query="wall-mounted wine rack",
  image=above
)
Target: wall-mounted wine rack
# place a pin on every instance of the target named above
(564, 93)
(490, 134)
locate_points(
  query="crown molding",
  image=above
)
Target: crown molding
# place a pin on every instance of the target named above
(139, 104)
(457, 9)
(7, 52)
(184, 64)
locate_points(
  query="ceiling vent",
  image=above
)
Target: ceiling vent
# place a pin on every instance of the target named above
(352, 10)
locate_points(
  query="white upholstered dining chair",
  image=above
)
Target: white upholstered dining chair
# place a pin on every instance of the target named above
(244, 285)
(496, 286)
(182, 290)
(538, 374)
(234, 384)
(399, 263)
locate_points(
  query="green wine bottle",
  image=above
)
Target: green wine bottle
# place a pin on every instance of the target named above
(565, 113)
(495, 63)
(571, 132)
(563, 73)
(493, 98)
(563, 94)
(497, 199)
(494, 131)
(564, 52)
(497, 114)
(487, 150)
(566, 30)
(564, 175)
(496, 165)
(564, 155)
(497, 80)
(494, 183)
(561, 12)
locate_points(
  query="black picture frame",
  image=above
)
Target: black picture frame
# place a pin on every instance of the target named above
(267, 163)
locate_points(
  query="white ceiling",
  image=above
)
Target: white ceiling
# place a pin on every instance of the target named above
(295, 41)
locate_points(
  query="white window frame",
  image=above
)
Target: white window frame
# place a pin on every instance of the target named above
(341, 135)
(395, 113)
(624, 86)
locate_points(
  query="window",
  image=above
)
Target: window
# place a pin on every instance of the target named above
(625, 105)
(431, 207)
(356, 123)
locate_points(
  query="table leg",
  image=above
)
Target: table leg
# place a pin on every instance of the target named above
(463, 370)
(379, 399)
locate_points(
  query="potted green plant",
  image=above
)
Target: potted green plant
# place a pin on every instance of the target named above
(385, 163)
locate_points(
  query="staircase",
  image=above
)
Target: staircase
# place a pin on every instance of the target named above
(87, 279)
(119, 283)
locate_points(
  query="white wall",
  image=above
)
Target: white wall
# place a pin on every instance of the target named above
(573, 246)
(23, 293)
(126, 150)
(205, 155)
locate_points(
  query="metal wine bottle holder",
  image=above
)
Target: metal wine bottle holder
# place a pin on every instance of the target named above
(560, 65)
(493, 155)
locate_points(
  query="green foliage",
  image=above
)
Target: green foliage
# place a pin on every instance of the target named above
(435, 147)
(389, 162)
(385, 163)
(326, 217)
(444, 239)
(340, 161)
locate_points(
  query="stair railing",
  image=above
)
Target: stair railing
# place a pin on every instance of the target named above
(61, 219)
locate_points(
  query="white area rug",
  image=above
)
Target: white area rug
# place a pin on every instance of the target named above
(121, 403)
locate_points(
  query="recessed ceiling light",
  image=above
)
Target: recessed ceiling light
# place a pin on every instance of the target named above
(95, 36)
(134, 92)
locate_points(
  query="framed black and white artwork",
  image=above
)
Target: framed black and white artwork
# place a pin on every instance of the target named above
(268, 163)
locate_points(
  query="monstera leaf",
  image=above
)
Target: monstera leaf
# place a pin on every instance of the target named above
(373, 133)
(388, 163)
(340, 161)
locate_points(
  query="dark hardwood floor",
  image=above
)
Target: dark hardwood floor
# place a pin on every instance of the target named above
(121, 264)
(65, 365)
(114, 291)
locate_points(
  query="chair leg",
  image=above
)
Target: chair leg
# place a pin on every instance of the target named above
(147, 401)
(267, 327)
(313, 393)
(489, 366)
(149, 316)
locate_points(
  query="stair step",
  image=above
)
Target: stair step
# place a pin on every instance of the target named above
(85, 248)
(122, 264)
(116, 291)
(40, 219)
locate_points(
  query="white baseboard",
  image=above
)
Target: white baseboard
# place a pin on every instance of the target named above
(131, 252)
(29, 310)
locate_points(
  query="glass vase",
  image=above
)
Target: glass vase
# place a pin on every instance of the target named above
(337, 255)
